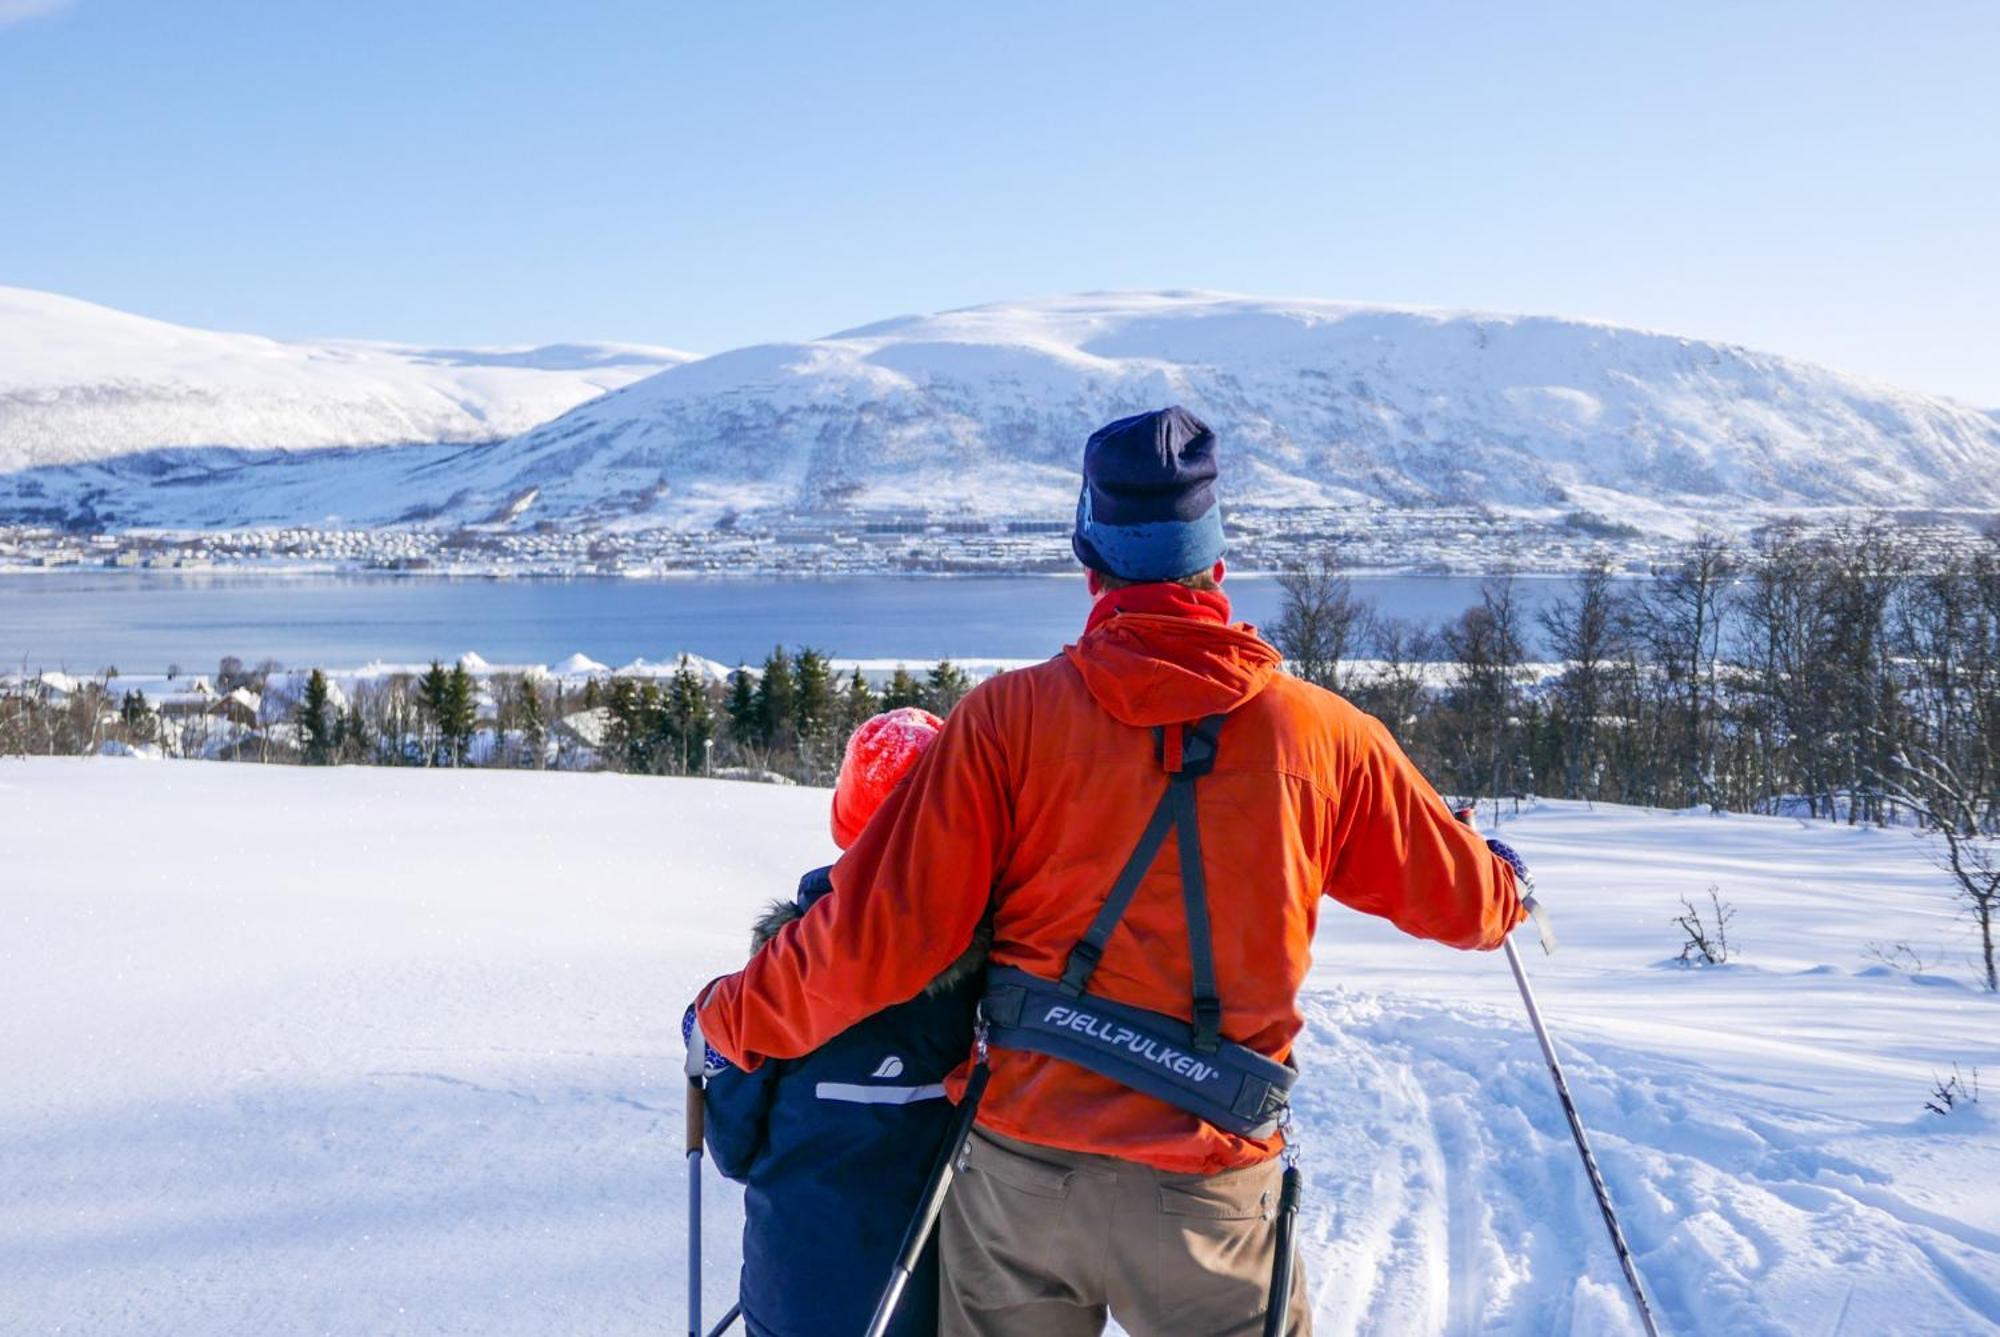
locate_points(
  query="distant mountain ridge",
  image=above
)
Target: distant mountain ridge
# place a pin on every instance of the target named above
(81, 383)
(985, 411)
(1318, 403)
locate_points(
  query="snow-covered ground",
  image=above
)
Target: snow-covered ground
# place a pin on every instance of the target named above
(375, 1051)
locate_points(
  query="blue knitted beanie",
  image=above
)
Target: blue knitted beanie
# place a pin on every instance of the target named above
(1148, 510)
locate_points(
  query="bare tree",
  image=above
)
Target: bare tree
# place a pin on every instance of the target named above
(1926, 784)
(1403, 650)
(1585, 632)
(1320, 618)
(1488, 657)
(1683, 621)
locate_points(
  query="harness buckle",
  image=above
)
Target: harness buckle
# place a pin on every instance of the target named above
(1207, 1025)
(1289, 1154)
(1083, 959)
(1198, 746)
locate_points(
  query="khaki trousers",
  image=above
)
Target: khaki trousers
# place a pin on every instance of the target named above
(1037, 1242)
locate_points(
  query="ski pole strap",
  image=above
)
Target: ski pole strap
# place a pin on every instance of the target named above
(1543, 929)
(1232, 1086)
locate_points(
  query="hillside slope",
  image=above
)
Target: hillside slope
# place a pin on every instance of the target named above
(356, 1050)
(982, 411)
(81, 383)
(1318, 403)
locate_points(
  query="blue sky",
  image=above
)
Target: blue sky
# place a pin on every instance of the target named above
(1817, 179)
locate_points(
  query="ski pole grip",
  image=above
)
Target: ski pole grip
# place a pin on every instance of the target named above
(697, 1105)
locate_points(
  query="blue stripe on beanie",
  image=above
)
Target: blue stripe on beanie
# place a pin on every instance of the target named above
(1148, 508)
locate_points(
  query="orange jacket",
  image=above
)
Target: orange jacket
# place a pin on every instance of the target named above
(1033, 798)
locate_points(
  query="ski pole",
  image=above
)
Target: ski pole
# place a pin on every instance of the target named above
(932, 1202)
(735, 1312)
(695, 1120)
(1278, 1304)
(1626, 1262)
(1618, 1244)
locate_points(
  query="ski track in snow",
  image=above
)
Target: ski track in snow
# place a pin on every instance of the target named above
(281, 1060)
(1446, 1195)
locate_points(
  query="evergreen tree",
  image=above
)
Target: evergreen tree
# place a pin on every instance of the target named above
(944, 687)
(460, 714)
(776, 701)
(625, 732)
(356, 744)
(692, 721)
(740, 705)
(903, 690)
(660, 749)
(857, 703)
(593, 697)
(136, 716)
(534, 723)
(434, 693)
(812, 677)
(316, 722)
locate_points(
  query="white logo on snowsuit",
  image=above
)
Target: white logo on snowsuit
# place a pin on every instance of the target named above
(1123, 1037)
(889, 1067)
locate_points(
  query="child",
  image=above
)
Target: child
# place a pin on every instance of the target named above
(833, 1148)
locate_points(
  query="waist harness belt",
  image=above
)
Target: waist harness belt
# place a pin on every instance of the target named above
(1187, 1064)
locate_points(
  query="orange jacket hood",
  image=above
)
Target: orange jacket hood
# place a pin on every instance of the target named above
(1161, 654)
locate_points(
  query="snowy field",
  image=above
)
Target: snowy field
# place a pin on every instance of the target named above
(376, 1052)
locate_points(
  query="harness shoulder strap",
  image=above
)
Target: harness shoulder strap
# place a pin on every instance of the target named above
(1188, 755)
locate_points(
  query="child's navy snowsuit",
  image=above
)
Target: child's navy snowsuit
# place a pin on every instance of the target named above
(833, 1150)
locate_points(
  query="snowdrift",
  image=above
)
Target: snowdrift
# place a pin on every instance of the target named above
(377, 1051)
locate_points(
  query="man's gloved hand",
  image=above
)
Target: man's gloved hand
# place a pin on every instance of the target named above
(702, 1062)
(1506, 854)
(1524, 882)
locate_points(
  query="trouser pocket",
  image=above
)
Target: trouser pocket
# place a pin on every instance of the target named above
(1006, 1220)
(1214, 1243)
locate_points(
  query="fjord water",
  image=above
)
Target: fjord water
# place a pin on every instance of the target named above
(145, 621)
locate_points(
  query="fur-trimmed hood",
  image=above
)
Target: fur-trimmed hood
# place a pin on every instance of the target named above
(818, 883)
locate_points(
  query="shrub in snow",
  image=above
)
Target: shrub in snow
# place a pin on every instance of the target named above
(1948, 1093)
(1898, 956)
(1707, 941)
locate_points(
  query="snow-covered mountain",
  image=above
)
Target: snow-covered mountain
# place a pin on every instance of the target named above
(81, 383)
(1317, 403)
(986, 409)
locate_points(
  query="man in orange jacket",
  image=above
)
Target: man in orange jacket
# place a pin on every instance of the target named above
(1081, 1195)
